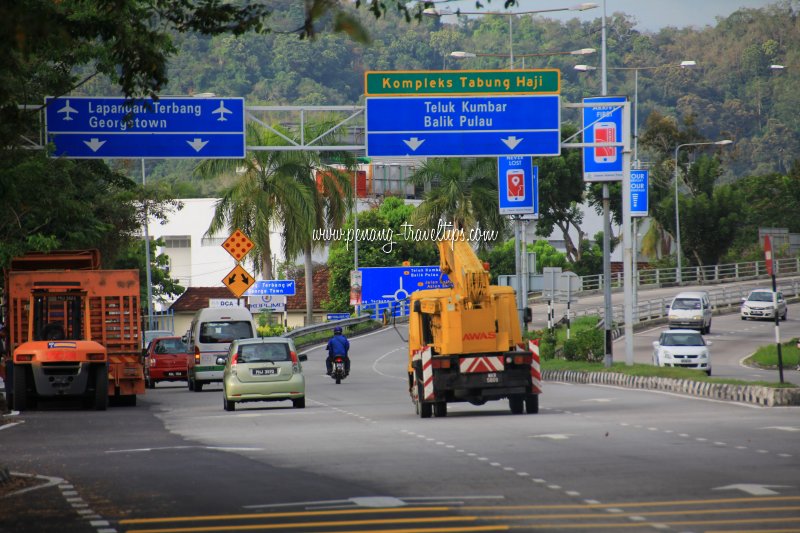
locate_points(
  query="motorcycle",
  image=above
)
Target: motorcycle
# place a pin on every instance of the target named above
(338, 373)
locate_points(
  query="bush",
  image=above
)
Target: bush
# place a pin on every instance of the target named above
(271, 330)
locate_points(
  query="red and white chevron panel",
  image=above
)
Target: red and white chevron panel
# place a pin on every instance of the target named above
(536, 369)
(482, 364)
(427, 374)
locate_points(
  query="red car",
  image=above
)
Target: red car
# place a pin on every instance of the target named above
(166, 359)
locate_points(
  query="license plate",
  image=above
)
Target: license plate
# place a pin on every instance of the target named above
(264, 371)
(173, 374)
(491, 377)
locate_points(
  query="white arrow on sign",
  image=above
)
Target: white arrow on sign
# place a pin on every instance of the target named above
(512, 142)
(197, 144)
(94, 144)
(753, 489)
(414, 143)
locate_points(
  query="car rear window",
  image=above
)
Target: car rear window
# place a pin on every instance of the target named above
(227, 331)
(170, 346)
(261, 353)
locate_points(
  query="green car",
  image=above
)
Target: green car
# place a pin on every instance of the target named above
(263, 370)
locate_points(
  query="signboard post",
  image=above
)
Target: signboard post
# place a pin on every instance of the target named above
(170, 128)
(771, 271)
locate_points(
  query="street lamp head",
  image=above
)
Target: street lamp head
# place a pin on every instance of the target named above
(583, 51)
(583, 6)
(688, 64)
(584, 68)
(462, 55)
(724, 142)
(777, 67)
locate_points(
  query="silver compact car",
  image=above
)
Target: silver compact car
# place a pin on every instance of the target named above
(263, 370)
(683, 348)
(758, 304)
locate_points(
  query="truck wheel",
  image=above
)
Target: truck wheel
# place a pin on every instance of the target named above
(198, 386)
(440, 409)
(191, 383)
(516, 404)
(532, 404)
(425, 409)
(100, 400)
(20, 388)
(149, 383)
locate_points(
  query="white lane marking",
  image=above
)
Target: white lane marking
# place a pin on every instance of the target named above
(552, 436)
(219, 448)
(599, 400)
(754, 489)
(674, 394)
(49, 482)
(379, 359)
(9, 426)
(783, 428)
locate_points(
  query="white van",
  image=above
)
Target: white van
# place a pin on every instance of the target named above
(690, 310)
(210, 335)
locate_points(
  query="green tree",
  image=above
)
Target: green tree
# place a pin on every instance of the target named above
(164, 288)
(463, 192)
(391, 215)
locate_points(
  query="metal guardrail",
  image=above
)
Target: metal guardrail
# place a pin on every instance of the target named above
(696, 274)
(722, 299)
(325, 326)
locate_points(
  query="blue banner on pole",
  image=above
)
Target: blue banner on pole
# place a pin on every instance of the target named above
(518, 183)
(603, 124)
(640, 197)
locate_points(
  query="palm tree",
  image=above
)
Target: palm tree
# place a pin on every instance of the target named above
(297, 190)
(463, 192)
(266, 194)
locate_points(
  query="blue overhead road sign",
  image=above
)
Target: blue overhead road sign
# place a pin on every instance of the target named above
(170, 128)
(464, 126)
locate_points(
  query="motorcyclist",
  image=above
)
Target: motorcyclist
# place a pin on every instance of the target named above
(338, 345)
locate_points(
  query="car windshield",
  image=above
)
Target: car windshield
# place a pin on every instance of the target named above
(760, 296)
(686, 303)
(682, 339)
(225, 331)
(262, 353)
(170, 346)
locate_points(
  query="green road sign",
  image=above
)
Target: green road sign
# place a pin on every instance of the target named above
(461, 82)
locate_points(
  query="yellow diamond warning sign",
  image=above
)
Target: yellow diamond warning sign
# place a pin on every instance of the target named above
(238, 281)
(238, 245)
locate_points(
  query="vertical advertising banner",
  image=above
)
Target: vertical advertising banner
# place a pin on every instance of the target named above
(640, 198)
(602, 124)
(518, 183)
(355, 287)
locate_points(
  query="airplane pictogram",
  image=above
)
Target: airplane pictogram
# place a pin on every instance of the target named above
(67, 109)
(222, 111)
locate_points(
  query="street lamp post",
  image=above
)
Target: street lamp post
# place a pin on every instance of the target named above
(459, 54)
(678, 276)
(433, 12)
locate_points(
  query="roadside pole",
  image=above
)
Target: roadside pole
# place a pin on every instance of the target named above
(771, 272)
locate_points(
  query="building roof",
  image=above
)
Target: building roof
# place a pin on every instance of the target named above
(320, 284)
(196, 298)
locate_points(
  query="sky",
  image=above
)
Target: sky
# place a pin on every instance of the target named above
(650, 15)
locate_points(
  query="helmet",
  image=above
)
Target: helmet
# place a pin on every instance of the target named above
(337, 330)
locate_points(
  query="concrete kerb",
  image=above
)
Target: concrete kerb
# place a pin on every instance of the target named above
(756, 394)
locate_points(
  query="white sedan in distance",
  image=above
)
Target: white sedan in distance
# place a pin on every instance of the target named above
(683, 348)
(759, 304)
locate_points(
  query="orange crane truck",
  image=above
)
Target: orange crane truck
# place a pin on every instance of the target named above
(465, 342)
(73, 330)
